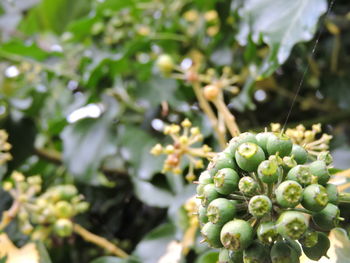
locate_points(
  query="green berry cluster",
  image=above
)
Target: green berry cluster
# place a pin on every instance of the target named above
(48, 213)
(263, 200)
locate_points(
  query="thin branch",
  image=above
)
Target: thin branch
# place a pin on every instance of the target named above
(230, 120)
(204, 104)
(9, 215)
(99, 241)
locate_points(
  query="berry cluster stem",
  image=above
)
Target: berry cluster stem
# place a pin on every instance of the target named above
(9, 215)
(99, 241)
(230, 120)
(204, 104)
(344, 197)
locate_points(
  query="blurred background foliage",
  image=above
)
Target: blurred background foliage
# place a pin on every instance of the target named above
(83, 102)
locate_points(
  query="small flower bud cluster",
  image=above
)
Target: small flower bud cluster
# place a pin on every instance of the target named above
(213, 83)
(314, 143)
(47, 213)
(195, 21)
(184, 137)
(5, 156)
(261, 195)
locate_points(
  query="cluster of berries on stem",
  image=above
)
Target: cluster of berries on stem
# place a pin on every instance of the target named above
(265, 199)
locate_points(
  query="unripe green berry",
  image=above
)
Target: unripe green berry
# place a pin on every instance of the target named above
(267, 232)
(220, 161)
(279, 143)
(226, 181)
(332, 193)
(63, 227)
(319, 250)
(221, 210)
(289, 194)
(209, 194)
(81, 207)
(309, 239)
(259, 206)
(205, 178)
(200, 189)
(236, 235)
(288, 163)
(247, 185)
(300, 174)
(327, 218)
(315, 197)
(202, 215)
(319, 169)
(326, 157)
(64, 192)
(224, 256)
(292, 224)
(211, 234)
(237, 141)
(281, 252)
(165, 64)
(295, 245)
(256, 253)
(227, 256)
(299, 153)
(63, 209)
(249, 156)
(262, 139)
(268, 171)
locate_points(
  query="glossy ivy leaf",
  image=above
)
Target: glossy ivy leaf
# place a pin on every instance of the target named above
(152, 195)
(88, 141)
(283, 23)
(159, 89)
(155, 243)
(136, 144)
(292, 22)
(339, 250)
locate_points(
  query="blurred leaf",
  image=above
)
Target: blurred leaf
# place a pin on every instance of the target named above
(222, 56)
(88, 141)
(209, 257)
(154, 245)
(341, 157)
(108, 260)
(339, 251)
(11, 14)
(136, 144)
(158, 90)
(151, 194)
(16, 47)
(286, 27)
(53, 15)
(28, 253)
(44, 256)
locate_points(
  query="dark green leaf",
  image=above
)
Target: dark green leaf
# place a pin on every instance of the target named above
(151, 194)
(280, 23)
(88, 141)
(154, 245)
